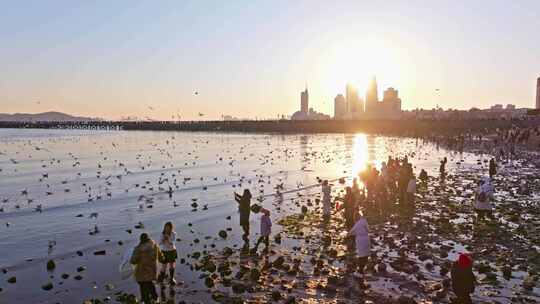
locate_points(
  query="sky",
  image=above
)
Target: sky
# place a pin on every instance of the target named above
(251, 59)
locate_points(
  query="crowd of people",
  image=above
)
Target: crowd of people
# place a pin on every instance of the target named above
(152, 260)
(392, 190)
(388, 191)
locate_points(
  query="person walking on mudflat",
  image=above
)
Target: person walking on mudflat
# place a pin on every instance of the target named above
(244, 207)
(145, 257)
(492, 168)
(360, 231)
(326, 200)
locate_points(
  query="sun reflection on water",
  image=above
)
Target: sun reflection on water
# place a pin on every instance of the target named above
(360, 155)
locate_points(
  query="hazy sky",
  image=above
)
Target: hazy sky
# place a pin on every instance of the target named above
(252, 58)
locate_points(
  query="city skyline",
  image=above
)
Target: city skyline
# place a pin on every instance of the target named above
(114, 60)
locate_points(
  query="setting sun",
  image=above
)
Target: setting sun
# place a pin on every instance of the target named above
(356, 62)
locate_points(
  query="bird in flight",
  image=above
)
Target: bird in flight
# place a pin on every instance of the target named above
(201, 114)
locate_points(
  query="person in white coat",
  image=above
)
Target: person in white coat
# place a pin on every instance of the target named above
(411, 190)
(360, 231)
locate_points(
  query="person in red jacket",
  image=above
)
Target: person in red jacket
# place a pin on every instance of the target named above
(463, 279)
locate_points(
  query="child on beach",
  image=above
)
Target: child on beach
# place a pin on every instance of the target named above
(168, 237)
(266, 229)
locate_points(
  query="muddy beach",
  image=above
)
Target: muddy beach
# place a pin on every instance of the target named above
(118, 187)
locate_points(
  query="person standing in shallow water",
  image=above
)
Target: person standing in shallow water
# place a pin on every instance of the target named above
(326, 199)
(360, 231)
(244, 207)
(463, 279)
(442, 167)
(168, 238)
(145, 257)
(411, 190)
(482, 200)
(492, 168)
(349, 207)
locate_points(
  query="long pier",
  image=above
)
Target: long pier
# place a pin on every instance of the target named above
(397, 127)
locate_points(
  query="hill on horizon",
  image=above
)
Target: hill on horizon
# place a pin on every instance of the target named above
(45, 116)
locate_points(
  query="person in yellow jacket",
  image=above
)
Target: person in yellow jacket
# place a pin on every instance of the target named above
(145, 257)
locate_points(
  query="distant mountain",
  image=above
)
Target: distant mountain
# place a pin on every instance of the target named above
(46, 116)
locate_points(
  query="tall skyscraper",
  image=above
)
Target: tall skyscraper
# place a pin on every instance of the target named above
(304, 101)
(372, 96)
(538, 93)
(352, 98)
(340, 107)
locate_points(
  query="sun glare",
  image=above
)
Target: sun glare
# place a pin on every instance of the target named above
(360, 155)
(357, 62)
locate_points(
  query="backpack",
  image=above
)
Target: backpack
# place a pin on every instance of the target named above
(482, 197)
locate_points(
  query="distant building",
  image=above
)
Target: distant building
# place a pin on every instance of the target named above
(229, 118)
(372, 97)
(355, 108)
(354, 103)
(388, 108)
(493, 112)
(304, 101)
(306, 113)
(391, 100)
(497, 107)
(538, 93)
(340, 107)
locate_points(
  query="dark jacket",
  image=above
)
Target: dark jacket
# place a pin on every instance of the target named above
(244, 207)
(463, 279)
(145, 256)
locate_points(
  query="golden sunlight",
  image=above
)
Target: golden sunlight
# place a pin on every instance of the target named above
(356, 62)
(360, 154)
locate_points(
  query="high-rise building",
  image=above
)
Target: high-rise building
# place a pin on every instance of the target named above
(304, 101)
(305, 112)
(391, 100)
(538, 93)
(340, 107)
(372, 96)
(352, 98)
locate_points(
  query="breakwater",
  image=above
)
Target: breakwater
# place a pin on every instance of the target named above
(394, 127)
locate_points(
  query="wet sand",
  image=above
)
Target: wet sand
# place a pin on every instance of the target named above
(413, 255)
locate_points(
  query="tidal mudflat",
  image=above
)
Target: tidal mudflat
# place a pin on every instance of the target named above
(81, 198)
